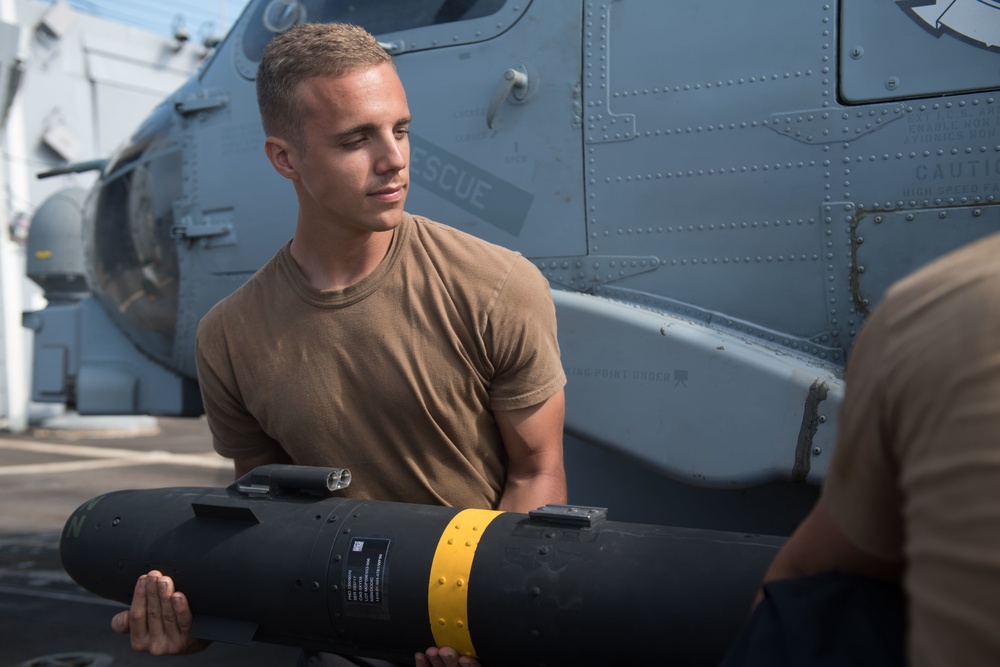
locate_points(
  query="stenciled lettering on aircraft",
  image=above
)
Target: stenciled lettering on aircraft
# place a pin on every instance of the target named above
(971, 175)
(498, 202)
(957, 178)
(952, 125)
(679, 378)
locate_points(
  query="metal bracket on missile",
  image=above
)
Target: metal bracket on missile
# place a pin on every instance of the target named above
(579, 516)
(287, 480)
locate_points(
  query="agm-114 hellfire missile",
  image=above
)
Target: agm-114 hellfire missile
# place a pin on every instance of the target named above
(275, 558)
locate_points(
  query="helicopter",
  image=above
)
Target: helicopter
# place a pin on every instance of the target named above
(718, 193)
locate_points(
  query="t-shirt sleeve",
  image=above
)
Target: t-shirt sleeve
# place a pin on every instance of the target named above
(236, 433)
(521, 336)
(861, 490)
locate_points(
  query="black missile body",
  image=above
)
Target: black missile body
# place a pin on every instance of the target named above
(269, 560)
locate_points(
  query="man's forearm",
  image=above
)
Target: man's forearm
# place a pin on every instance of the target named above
(523, 493)
(819, 545)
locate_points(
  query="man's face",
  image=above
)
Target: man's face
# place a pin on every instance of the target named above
(352, 161)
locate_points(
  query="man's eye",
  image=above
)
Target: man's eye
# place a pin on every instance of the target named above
(402, 132)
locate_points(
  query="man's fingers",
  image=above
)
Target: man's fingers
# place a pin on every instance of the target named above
(137, 626)
(165, 591)
(449, 656)
(182, 612)
(119, 622)
(159, 620)
(444, 656)
(154, 610)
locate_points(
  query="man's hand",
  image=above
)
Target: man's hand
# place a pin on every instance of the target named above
(159, 620)
(444, 657)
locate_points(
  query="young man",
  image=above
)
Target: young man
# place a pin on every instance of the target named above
(421, 358)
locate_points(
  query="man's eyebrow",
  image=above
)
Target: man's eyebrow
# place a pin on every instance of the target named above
(364, 128)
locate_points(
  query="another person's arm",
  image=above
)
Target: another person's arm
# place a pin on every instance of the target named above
(819, 545)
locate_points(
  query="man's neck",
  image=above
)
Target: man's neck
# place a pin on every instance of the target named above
(337, 263)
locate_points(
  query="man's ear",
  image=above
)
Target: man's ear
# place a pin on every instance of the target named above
(282, 156)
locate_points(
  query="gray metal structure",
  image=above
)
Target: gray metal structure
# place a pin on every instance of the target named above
(719, 192)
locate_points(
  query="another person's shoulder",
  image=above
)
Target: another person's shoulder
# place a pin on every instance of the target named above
(939, 314)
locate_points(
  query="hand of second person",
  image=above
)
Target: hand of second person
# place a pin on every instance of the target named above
(444, 657)
(159, 620)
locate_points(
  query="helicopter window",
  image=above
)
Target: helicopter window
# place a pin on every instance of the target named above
(127, 231)
(379, 17)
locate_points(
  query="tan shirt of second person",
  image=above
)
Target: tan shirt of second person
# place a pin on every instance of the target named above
(916, 474)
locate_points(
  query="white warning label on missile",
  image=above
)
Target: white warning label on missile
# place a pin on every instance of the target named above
(366, 565)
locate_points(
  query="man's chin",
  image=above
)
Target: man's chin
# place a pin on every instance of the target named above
(389, 221)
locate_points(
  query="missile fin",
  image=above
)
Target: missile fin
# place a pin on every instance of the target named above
(228, 630)
(224, 509)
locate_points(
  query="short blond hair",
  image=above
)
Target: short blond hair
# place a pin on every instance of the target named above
(305, 51)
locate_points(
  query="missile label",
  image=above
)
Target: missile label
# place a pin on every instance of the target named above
(365, 577)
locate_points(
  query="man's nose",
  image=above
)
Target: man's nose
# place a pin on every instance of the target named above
(393, 155)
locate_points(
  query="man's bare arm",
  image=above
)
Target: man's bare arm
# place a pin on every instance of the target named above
(533, 438)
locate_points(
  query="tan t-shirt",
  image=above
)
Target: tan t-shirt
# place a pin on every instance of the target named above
(394, 377)
(916, 473)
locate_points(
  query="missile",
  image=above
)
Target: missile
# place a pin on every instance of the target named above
(277, 558)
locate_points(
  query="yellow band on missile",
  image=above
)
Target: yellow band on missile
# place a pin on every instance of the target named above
(448, 585)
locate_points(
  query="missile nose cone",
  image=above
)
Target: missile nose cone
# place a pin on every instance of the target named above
(75, 542)
(88, 545)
